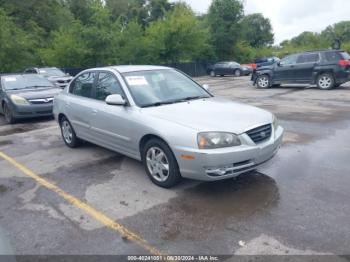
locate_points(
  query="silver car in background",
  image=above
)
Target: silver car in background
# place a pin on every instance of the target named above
(163, 118)
(53, 74)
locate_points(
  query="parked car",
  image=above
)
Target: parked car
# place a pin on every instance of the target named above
(163, 118)
(325, 68)
(53, 74)
(26, 96)
(266, 61)
(228, 68)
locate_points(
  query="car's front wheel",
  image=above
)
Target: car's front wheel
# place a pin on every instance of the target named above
(160, 163)
(263, 81)
(10, 119)
(68, 133)
(237, 73)
(325, 81)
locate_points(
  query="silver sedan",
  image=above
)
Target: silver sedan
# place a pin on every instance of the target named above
(163, 118)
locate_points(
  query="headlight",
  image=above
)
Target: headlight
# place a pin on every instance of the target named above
(211, 140)
(275, 123)
(19, 100)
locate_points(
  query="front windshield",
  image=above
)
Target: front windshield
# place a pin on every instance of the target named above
(157, 87)
(19, 82)
(51, 72)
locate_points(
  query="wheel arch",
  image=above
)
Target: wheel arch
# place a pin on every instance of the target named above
(148, 137)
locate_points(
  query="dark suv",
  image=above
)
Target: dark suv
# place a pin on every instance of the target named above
(326, 69)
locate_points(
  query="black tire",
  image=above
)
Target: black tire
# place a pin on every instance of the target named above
(325, 81)
(263, 81)
(173, 175)
(237, 73)
(74, 141)
(222, 75)
(9, 118)
(212, 73)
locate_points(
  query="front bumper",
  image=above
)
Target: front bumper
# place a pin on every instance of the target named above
(223, 163)
(29, 111)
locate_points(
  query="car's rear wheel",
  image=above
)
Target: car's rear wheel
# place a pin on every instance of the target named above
(68, 133)
(212, 73)
(325, 81)
(263, 81)
(160, 163)
(10, 119)
(237, 73)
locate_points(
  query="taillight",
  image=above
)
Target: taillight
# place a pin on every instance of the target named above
(344, 63)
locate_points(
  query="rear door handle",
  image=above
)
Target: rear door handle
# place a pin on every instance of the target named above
(94, 111)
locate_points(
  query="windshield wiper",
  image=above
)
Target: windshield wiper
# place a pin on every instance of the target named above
(159, 104)
(189, 98)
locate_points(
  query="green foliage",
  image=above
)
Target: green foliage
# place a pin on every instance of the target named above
(177, 37)
(16, 46)
(257, 30)
(68, 48)
(340, 31)
(89, 33)
(223, 20)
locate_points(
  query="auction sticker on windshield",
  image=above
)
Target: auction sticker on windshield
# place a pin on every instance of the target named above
(136, 80)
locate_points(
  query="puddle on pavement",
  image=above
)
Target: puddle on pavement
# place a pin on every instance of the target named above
(3, 189)
(207, 206)
(5, 143)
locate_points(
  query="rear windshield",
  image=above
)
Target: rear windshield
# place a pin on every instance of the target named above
(334, 56)
(19, 82)
(345, 55)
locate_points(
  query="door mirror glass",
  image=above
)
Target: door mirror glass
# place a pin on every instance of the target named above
(115, 100)
(206, 87)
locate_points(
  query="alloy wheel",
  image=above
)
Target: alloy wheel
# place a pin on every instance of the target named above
(263, 81)
(157, 164)
(67, 131)
(325, 82)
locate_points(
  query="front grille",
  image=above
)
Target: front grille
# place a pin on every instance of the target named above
(40, 101)
(260, 134)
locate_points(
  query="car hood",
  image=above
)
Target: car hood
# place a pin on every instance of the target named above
(212, 114)
(265, 67)
(36, 93)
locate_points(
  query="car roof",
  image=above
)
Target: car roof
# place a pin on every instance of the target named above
(131, 68)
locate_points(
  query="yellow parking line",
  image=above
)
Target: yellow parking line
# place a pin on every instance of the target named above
(102, 218)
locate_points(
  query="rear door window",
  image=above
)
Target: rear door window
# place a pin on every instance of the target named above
(345, 55)
(308, 58)
(83, 85)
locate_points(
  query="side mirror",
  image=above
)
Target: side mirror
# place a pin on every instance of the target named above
(115, 100)
(279, 63)
(206, 87)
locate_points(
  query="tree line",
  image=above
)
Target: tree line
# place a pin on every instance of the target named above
(88, 33)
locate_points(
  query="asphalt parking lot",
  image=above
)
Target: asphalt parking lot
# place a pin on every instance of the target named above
(298, 203)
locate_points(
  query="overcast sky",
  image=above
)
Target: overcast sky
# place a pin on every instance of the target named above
(291, 17)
